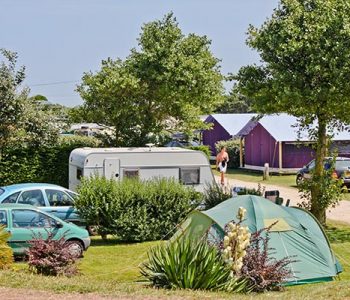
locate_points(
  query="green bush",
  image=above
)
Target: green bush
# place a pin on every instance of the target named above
(135, 210)
(232, 147)
(188, 264)
(203, 148)
(44, 164)
(6, 254)
(215, 194)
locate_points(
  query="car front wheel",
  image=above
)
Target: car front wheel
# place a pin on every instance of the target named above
(75, 248)
(299, 179)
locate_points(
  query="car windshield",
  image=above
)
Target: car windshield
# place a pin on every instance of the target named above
(2, 191)
(343, 164)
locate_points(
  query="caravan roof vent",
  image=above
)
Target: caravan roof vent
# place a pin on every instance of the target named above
(150, 145)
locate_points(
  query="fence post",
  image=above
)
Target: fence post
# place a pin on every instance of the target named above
(266, 174)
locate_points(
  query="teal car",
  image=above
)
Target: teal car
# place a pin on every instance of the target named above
(50, 198)
(24, 221)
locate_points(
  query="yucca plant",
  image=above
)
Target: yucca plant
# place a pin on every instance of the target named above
(188, 264)
(6, 254)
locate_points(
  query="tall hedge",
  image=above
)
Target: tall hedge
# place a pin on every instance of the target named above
(135, 210)
(44, 164)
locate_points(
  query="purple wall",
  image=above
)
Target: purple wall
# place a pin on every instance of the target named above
(296, 156)
(217, 133)
(261, 148)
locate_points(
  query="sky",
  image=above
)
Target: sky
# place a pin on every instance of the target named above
(58, 40)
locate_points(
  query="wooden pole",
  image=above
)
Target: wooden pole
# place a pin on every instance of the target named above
(241, 152)
(280, 156)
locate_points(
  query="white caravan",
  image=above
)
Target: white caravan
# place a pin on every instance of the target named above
(188, 166)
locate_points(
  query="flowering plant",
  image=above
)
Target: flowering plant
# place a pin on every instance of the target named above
(235, 243)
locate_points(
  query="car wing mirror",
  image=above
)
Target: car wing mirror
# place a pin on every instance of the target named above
(59, 225)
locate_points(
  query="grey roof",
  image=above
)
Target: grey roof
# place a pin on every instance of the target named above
(232, 123)
(283, 128)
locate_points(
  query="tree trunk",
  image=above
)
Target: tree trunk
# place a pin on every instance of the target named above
(321, 149)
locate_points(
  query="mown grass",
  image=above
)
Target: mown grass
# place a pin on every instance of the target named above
(275, 179)
(112, 268)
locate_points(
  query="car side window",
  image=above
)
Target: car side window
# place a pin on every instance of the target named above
(32, 197)
(3, 218)
(11, 199)
(311, 165)
(58, 198)
(26, 218)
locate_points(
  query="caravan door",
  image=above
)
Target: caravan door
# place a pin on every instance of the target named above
(111, 168)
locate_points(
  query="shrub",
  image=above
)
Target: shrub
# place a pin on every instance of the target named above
(44, 164)
(203, 148)
(51, 257)
(6, 254)
(250, 191)
(215, 194)
(135, 210)
(263, 272)
(187, 264)
(232, 147)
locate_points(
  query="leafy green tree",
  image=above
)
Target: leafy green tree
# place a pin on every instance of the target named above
(164, 84)
(235, 102)
(21, 123)
(12, 99)
(305, 50)
(38, 98)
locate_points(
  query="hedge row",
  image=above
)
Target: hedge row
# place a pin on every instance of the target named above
(46, 164)
(135, 210)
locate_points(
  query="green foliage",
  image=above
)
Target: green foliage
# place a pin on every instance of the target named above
(304, 49)
(203, 148)
(44, 164)
(259, 191)
(235, 103)
(329, 187)
(12, 100)
(164, 84)
(6, 254)
(188, 264)
(215, 194)
(21, 124)
(232, 148)
(135, 210)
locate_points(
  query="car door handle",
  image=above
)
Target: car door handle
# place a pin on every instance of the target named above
(54, 210)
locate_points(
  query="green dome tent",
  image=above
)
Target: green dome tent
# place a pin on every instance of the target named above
(297, 234)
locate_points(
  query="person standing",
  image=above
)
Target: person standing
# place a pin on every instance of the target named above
(221, 163)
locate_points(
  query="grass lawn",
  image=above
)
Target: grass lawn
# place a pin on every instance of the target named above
(111, 268)
(275, 179)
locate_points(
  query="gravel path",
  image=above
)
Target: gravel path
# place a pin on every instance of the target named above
(339, 213)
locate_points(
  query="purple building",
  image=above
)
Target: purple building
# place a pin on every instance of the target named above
(225, 127)
(274, 139)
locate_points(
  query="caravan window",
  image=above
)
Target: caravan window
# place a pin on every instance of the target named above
(79, 173)
(189, 175)
(131, 173)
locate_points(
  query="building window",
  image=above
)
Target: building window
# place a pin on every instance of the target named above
(189, 176)
(131, 173)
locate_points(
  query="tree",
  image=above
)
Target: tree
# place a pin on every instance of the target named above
(38, 98)
(170, 79)
(21, 123)
(235, 102)
(12, 100)
(305, 51)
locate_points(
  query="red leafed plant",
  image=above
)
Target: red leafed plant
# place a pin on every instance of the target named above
(262, 271)
(51, 257)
